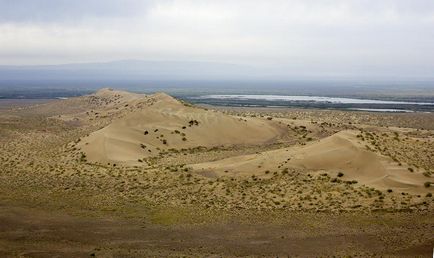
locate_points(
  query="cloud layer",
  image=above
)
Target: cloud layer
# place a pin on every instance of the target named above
(299, 37)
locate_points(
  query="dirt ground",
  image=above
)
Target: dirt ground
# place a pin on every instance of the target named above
(29, 232)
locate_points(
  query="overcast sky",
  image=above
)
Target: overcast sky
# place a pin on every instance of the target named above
(379, 38)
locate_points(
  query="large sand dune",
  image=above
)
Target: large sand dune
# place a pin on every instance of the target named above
(342, 152)
(158, 122)
(146, 126)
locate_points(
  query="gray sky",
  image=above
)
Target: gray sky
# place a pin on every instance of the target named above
(378, 38)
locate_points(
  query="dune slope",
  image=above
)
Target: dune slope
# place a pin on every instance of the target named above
(342, 152)
(158, 122)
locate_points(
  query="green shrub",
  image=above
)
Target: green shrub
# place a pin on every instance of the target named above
(83, 157)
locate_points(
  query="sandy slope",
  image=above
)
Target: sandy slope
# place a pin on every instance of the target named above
(159, 122)
(147, 125)
(341, 152)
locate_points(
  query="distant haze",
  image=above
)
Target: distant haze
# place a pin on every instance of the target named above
(281, 39)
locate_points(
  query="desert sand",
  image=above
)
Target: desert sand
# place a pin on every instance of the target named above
(219, 181)
(160, 123)
(342, 153)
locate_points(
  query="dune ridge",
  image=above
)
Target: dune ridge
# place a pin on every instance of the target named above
(342, 153)
(158, 122)
(144, 127)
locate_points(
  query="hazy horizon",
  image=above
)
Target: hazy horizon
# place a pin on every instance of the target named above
(281, 40)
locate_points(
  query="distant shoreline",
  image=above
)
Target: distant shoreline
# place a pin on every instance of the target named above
(6, 103)
(314, 102)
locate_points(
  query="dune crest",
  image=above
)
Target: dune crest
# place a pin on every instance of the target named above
(159, 122)
(342, 152)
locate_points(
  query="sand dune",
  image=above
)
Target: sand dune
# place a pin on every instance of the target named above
(342, 152)
(159, 122)
(148, 125)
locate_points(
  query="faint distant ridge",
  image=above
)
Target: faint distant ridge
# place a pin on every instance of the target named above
(128, 70)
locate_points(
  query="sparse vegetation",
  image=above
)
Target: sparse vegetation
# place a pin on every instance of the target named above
(44, 163)
(83, 157)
